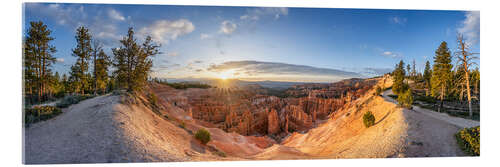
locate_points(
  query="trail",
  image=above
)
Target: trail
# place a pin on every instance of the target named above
(103, 130)
(431, 134)
(457, 121)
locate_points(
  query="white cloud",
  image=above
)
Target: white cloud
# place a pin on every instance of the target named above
(115, 15)
(73, 16)
(259, 13)
(173, 54)
(391, 54)
(165, 30)
(399, 20)
(247, 17)
(227, 27)
(470, 27)
(205, 36)
(251, 67)
(60, 60)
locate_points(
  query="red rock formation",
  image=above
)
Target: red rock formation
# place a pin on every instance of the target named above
(273, 122)
(250, 113)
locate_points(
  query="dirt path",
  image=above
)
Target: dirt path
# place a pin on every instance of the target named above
(431, 134)
(84, 133)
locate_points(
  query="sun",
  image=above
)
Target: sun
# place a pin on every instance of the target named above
(224, 75)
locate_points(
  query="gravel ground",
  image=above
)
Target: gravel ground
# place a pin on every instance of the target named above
(431, 134)
(84, 133)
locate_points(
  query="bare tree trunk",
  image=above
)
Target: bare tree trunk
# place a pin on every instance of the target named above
(465, 60)
(442, 98)
(95, 74)
(83, 73)
(468, 93)
(43, 77)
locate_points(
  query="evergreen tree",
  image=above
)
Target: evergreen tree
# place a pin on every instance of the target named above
(101, 64)
(132, 61)
(427, 77)
(65, 83)
(475, 76)
(79, 77)
(399, 76)
(408, 70)
(38, 58)
(441, 73)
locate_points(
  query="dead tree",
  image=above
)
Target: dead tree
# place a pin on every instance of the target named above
(465, 58)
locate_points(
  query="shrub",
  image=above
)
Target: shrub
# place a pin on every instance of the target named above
(72, 99)
(182, 125)
(368, 119)
(40, 113)
(378, 91)
(202, 135)
(405, 99)
(468, 140)
(153, 99)
(220, 153)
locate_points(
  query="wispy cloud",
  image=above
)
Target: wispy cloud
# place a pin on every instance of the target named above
(60, 60)
(470, 27)
(276, 68)
(259, 13)
(166, 30)
(115, 15)
(205, 36)
(398, 20)
(227, 27)
(102, 26)
(391, 54)
(376, 71)
(173, 54)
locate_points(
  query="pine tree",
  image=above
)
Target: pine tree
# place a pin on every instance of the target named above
(475, 76)
(427, 77)
(38, 59)
(132, 61)
(399, 76)
(101, 64)
(79, 77)
(408, 72)
(441, 73)
(465, 58)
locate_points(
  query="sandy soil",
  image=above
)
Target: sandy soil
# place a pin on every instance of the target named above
(344, 134)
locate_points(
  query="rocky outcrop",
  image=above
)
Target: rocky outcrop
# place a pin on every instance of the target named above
(273, 122)
(255, 113)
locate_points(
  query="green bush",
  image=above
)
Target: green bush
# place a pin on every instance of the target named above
(182, 125)
(220, 153)
(72, 99)
(368, 119)
(405, 99)
(378, 91)
(41, 113)
(202, 135)
(468, 140)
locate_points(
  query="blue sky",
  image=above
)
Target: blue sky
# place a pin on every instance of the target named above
(282, 44)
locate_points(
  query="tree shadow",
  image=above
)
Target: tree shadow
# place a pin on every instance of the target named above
(385, 116)
(197, 146)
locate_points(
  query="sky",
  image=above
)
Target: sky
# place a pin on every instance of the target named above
(254, 43)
